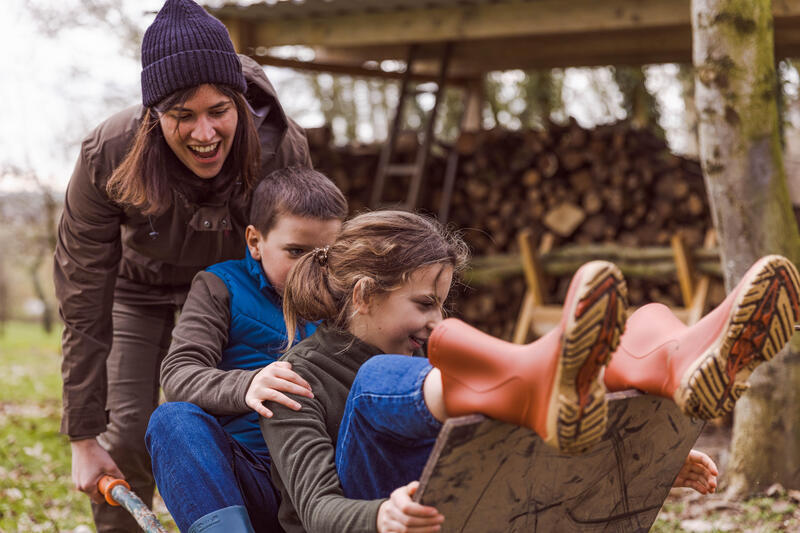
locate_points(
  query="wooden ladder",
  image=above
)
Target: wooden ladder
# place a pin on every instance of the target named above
(416, 171)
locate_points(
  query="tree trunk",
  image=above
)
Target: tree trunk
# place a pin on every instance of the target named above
(686, 79)
(740, 152)
(38, 289)
(640, 106)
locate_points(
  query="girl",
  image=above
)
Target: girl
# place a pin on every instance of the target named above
(160, 191)
(380, 289)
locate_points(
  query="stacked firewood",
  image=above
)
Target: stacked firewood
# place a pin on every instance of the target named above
(573, 186)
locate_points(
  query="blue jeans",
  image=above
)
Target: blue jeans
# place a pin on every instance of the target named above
(199, 468)
(387, 431)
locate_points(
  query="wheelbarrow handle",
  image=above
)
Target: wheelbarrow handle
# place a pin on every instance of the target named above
(106, 484)
(128, 499)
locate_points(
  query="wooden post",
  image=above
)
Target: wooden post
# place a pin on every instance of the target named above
(473, 106)
(684, 267)
(534, 296)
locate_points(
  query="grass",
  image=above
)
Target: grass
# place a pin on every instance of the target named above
(685, 510)
(31, 361)
(36, 491)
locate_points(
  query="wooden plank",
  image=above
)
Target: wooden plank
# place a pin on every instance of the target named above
(489, 476)
(471, 57)
(649, 261)
(467, 22)
(497, 36)
(283, 9)
(464, 22)
(355, 70)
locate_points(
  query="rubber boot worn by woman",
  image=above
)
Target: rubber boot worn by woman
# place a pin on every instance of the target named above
(552, 386)
(704, 367)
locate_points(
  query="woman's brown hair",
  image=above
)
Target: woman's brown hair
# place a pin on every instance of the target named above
(142, 179)
(379, 249)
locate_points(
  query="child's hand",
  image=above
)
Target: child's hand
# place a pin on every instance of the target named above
(269, 385)
(400, 514)
(699, 473)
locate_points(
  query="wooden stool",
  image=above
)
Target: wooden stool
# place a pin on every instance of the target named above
(537, 317)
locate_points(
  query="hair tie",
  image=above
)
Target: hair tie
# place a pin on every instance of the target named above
(321, 255)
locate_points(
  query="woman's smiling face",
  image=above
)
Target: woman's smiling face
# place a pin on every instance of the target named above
(200, 131)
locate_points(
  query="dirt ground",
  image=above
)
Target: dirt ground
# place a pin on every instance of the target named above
(686, 510)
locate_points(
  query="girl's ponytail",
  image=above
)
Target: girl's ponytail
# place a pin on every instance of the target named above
(307, 294)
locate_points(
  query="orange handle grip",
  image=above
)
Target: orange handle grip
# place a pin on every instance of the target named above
(107, 483)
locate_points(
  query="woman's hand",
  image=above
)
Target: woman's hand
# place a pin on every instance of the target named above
(400, 514)
(269, 385)
(90, 462)
(699, 473)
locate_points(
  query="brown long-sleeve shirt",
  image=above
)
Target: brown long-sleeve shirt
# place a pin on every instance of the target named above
(303, 443)
(106, 252)
(189, 372)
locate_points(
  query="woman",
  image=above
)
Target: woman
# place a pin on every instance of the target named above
(159, 192)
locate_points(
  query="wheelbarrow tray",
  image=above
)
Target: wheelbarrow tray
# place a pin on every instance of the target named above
(489, 476)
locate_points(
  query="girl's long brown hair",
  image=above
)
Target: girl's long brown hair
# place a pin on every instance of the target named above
(380, 249)
(142, 180)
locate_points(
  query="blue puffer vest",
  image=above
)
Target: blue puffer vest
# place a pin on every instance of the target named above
(256, 335)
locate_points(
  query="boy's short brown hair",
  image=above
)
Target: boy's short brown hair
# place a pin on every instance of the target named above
(298, 191)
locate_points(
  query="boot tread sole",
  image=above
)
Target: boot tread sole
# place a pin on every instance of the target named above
(760, 324)
(596, 319)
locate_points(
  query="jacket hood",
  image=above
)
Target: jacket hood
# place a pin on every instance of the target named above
(267, 110)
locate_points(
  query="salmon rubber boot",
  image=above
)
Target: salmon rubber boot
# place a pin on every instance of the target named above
(704, 368)
(553, 385)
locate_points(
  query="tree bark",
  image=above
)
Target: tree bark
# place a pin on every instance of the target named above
(740, 153)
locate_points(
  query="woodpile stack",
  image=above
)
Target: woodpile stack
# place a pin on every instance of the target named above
(611, 184)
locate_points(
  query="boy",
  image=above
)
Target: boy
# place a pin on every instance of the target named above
(210, 461)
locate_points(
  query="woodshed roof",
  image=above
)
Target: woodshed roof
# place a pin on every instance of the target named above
(486, 34)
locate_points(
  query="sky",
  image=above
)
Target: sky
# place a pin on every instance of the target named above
(53, 86)
(57, 85)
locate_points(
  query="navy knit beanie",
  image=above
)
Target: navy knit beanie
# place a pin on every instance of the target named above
(185, 47)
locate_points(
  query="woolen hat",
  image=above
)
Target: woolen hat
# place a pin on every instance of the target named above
(184, 47)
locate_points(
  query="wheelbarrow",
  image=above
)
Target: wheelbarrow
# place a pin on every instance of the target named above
(118, 493)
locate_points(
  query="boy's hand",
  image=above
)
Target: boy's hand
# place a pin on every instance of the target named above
(400, 514)
(699, 473)
(269, 385)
